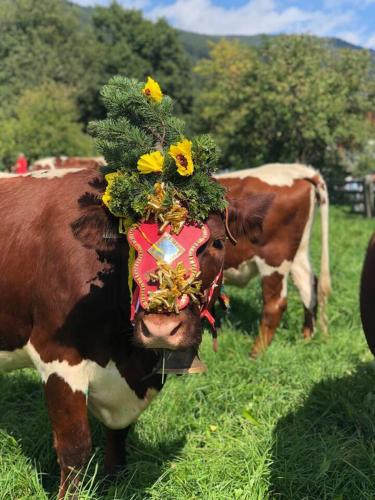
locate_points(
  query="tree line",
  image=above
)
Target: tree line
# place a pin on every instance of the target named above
(53, 64)
(290, 98)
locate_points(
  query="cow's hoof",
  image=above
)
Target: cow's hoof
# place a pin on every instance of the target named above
(253, 355)
(114, 468)
(307, 333)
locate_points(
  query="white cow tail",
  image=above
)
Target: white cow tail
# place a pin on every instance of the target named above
(324, 284)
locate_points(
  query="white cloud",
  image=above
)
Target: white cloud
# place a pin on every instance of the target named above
(339, 4)
(134, 4)
(353, 37)
(256, 16)
(86, 3)
(130, 4)
(370, 42)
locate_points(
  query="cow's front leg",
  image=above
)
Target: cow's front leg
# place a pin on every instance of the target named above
(115, 456)
(71, 433)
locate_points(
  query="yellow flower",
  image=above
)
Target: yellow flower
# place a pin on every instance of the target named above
(152, 162)
(152, 90)
(213, 428)
(106, 198)
(181, 153)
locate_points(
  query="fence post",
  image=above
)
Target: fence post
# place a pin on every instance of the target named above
(368, 196)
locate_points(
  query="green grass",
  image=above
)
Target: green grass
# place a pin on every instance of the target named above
(299, 423)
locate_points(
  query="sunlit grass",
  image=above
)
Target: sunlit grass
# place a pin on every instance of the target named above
(299, 423)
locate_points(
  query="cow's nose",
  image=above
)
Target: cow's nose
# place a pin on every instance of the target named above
(155, 325)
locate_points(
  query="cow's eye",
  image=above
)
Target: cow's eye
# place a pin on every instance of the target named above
(219, 244)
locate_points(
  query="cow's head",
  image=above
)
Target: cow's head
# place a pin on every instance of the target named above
(163, 328)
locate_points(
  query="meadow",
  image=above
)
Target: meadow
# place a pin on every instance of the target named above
(298, 423)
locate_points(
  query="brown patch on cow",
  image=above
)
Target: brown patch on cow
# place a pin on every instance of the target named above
(245, 218)
(71, 433)
(284, 212)
(367, 295)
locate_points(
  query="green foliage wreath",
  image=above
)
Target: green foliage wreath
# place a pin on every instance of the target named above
(146, 150)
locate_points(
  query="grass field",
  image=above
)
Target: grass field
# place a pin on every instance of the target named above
(299, 423)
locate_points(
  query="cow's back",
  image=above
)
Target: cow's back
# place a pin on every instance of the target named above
(43, 265)
(284, 223)
(274, 174)
(367, 295)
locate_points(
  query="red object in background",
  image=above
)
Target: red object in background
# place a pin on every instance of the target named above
(21, 164)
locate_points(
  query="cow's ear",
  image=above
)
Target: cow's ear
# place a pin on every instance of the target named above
(246, 215)
(96, 228)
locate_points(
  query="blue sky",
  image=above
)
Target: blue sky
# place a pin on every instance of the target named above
(351, 20)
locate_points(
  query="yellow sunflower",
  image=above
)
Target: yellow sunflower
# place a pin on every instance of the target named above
(106, 198)
(152, 90)
(181, 153)
(149, 163)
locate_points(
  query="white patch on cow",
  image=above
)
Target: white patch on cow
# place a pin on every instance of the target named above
(302, 273)
(109, 396)
(274, 174)
(56, 173)
(76, 376)
(250, 268)
(242, 275)
(7, 175)
(111, 399)
(283, 269)
(13, 360)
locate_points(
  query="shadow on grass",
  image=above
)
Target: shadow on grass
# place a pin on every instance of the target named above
(242, 315)
(23, 415)
(326, 448)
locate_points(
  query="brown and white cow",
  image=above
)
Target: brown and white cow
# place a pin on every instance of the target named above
(65, 310)
(54, 162)
(367, 295)
(283, 245)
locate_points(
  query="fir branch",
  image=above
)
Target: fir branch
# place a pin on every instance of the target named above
(137, 125)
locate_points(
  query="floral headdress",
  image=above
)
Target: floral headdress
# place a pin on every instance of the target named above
(155, 172)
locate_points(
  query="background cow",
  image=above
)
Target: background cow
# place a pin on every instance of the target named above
(54, 162)
(65, 309)
(367, 295)
(283, 245)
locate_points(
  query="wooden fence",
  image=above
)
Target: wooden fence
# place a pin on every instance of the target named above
(359, 194)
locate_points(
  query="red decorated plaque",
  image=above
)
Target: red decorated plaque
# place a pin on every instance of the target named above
(152, 246)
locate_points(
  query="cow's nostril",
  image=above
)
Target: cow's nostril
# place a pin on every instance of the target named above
(145, 330)
(175, 329)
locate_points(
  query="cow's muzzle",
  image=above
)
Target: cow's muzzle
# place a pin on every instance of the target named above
(167, 331)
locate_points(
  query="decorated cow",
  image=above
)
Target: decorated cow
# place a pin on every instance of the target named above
(105, 279)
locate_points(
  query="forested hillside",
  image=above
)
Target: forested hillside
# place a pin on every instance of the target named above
(198, 45)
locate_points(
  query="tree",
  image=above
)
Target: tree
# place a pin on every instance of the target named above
(44, 40)
(44, 123)
(49, 40)
(134, 47)
(292, 99)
